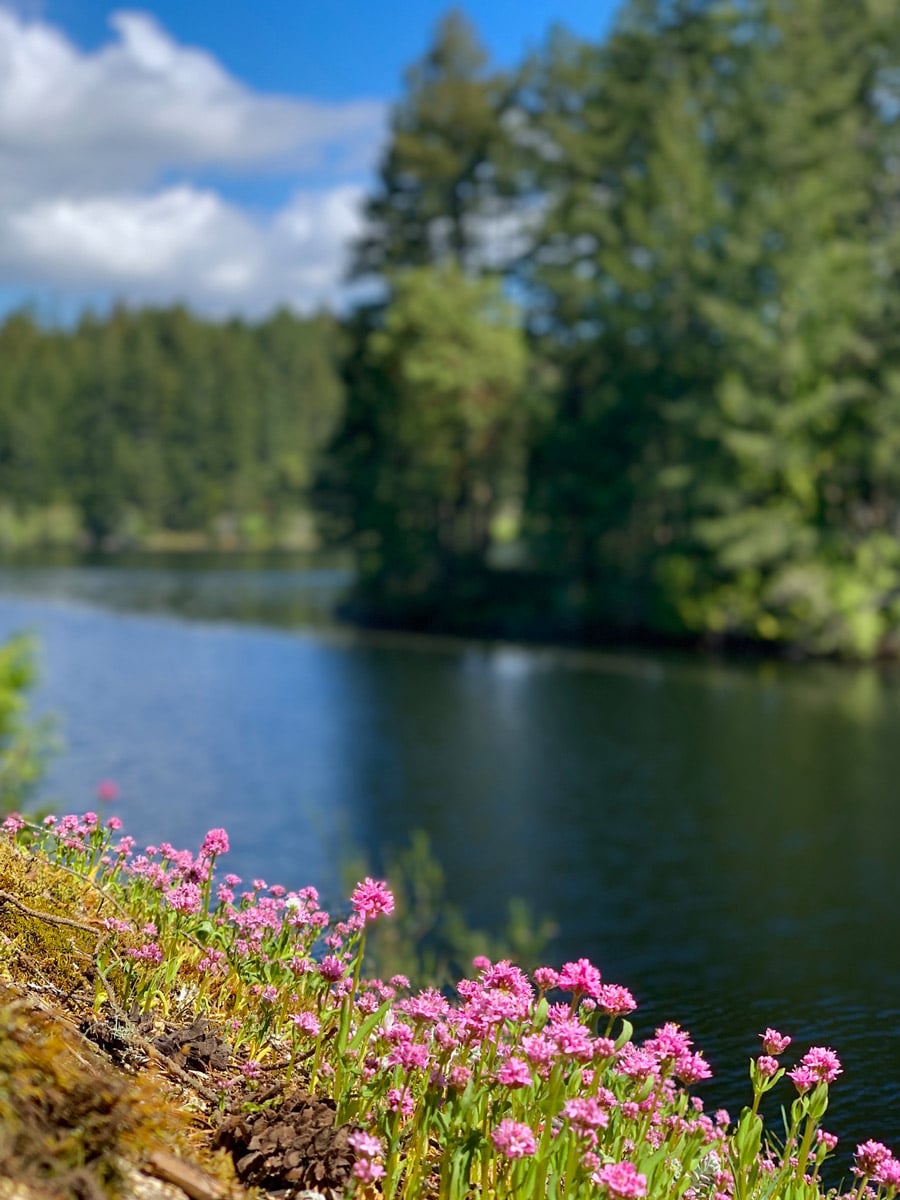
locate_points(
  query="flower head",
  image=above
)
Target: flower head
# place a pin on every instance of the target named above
(823, 1063)
(185, 898)
(869, 1158)
(514, 1073)
(774, 1042)
(621, 1180)
(215, 842)
(767, 1066)
(580, 977)
(371, 898)
(365, 1145)
(514, 1139)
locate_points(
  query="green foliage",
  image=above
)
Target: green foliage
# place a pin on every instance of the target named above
(158, 421)
(431, 444)
(715, 466)
(697, 218)
(24, 744)
(441, 177)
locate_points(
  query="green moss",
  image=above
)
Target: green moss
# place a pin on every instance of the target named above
(67, 1120)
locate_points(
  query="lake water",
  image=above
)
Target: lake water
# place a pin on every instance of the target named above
(722, 838)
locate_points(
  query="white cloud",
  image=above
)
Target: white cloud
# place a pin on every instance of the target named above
(186, 244)
(90, 144)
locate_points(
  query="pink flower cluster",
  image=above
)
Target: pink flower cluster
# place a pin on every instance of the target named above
(368, 1150)
(621, 1180)
(818, 1065)
(514, 1139)
(371, 898)
(876, 1163)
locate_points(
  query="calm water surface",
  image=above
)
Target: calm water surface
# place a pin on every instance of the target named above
(724, 839)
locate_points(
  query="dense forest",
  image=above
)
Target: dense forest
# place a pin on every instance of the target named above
(696, 413)
(633, 366)
(159, 428)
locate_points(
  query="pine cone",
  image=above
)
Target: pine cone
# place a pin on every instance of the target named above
(291, 1148)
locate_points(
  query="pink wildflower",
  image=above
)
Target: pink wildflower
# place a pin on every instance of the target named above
(616, 1000)
(408, 1055)
(117, 925)
(572, 1040)
(767, 1065)
(371, 898)
(668, 1043)
(212, 963)
(604, 1048)
(427, 1005)
(636, 1062)
(823, 1063)
(13, 824)
(401, 1102)
(331, 968)
(774, 1042)
(367, 1170)
(621, 1180)
(585, 1115)
(546, 978)
(365, 1145)
(538, 1049)
(513, 1139)
(828, 1140)
(215, 842)
(869, 1158)
(307, 1022)
(185, 898)
(580, 977)
(148, 953)
(889, 1173)
(514, 1073)
(802, 1078)
(107, 790)
(691, 1068)
(459, 1077)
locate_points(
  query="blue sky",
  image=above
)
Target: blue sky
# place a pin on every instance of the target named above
(211, 154)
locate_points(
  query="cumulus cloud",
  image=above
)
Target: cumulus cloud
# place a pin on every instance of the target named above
(90, 144)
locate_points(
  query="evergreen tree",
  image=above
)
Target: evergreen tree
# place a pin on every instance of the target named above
(437, 197)
(710, 280)
(430, 444)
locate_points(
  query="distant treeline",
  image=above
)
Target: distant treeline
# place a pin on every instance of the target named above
(635, 362)
(154, 423)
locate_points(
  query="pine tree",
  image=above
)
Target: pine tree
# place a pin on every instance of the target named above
(437, 196)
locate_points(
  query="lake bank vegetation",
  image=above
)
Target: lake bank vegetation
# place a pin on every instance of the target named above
(297, 1070)
(629, 367)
